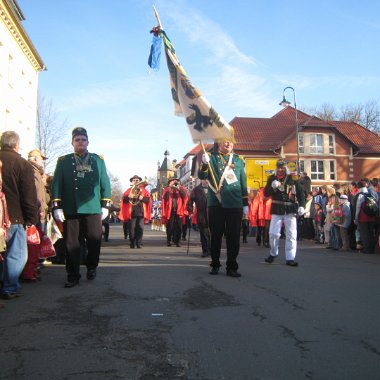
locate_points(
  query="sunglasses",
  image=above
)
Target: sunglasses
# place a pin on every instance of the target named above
(77, 140)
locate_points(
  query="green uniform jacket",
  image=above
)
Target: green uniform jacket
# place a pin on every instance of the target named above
(77, 194)
(233, 195)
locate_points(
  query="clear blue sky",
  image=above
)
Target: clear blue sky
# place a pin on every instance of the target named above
(240, 54)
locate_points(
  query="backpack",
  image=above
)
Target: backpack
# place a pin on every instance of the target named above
(370, 206)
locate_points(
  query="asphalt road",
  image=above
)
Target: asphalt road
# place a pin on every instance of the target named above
(156, 313)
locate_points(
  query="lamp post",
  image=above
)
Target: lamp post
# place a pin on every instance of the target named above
(286, 103)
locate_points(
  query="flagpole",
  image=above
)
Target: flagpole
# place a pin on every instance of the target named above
(157, 18)
(210, 169)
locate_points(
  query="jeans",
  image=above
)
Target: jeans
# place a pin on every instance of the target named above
(14, 259)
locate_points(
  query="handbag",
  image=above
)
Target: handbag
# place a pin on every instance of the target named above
(32, 235)
(46, 248)
(53, 230)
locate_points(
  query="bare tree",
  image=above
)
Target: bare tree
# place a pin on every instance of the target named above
(116, 189)
(367, 114)
(326, 111)
(51, 136)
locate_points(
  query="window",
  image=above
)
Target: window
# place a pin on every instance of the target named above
(316, 143)
(317, 170)
(302, 166)
(331, 144)
(301, 147)
(332, 170)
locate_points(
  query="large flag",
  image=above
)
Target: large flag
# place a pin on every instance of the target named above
(204, 123)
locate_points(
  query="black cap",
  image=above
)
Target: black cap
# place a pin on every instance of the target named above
(134, 177)
(281, 163)
(79, 131)
(173, 179)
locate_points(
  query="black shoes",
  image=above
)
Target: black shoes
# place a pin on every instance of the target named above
(178, 245)
(233, 273)
(205, 254)
(269, 259)
(169, 244)
(291, 263)
(91, 274)
(71, 283)
(214, 270)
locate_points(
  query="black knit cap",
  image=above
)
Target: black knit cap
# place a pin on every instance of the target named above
(280, 163)
(79, 131)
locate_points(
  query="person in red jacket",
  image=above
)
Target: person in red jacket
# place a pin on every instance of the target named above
(174, 201)
(258, 218)
(136, 210)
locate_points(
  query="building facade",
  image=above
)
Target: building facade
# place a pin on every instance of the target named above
(20, 65)
(330, 152)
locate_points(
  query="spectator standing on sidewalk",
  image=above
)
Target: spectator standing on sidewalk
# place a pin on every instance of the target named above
(22, 205)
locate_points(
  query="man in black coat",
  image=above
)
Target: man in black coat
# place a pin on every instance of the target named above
(20, 194)
(199, 196)
(288, 199)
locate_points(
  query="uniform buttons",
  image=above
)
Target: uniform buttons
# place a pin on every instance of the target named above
(76, 188)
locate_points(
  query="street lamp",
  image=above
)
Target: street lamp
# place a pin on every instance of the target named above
(286, 103)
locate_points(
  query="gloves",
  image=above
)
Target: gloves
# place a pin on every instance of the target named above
(245, 210)
(59, 215)
(104, 213)
(276, 184)
(301, 211)
(205, 158)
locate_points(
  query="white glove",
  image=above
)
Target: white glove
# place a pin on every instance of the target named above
(59, 215)
(104, 213)
(245, 210)
(205, 158)
(301, 211)
(276, 184)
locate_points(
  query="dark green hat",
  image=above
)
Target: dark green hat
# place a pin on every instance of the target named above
(79, 131)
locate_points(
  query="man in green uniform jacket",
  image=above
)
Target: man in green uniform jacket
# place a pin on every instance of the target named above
(81, 193)
(226, 199)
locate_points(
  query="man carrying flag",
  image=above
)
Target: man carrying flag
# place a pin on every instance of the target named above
(225, 203)
(225, 170)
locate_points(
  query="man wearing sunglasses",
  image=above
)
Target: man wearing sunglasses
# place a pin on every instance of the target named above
(81, 193)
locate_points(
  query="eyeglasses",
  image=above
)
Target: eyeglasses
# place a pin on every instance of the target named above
(77, 140)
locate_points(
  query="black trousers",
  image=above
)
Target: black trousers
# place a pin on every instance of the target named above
(136, 230)
(174, 228)
(126, 229)
(205, 240)
(106, 225)
(75, 229)
(225, 221)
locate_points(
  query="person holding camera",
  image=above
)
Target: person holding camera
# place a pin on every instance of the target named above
(288, 199)
(174, 201)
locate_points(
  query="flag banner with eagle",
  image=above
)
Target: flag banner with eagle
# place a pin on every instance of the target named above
(204, 123)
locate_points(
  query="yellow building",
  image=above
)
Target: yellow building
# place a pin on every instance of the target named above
(20, 64)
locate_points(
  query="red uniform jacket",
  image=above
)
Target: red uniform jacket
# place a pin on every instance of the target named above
(167, 204)
(126, 208)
